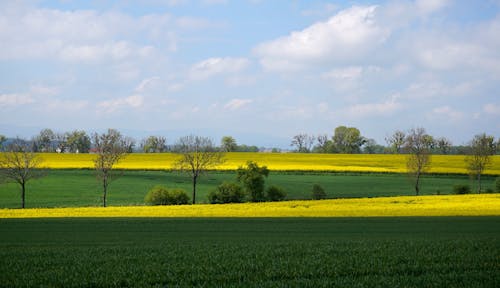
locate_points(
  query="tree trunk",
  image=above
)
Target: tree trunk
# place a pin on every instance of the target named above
(417, 188)
(23, 194)
(105, 189)
(479, 183)
(195, 177)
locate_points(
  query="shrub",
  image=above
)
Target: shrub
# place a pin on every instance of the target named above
(461, 189)
(318, 192)
(160, 195)
(275, 193)
(497, 185)
(227, 192)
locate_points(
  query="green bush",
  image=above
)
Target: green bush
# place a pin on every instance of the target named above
(497, 185)
(318, 192)
(160, 195)
(275, 193)
(227, 192)
(461, 189)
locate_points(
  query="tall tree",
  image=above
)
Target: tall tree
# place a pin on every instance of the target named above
(481, 148)
(154, 144)
(228, 144)
(78, 141)
(443, 145)
(348, 140)
(396, 141)
(303, 142)
(110, 147)
(44, 141)
(324, 144)
(197, 155)
(20, 165)
(417, 146)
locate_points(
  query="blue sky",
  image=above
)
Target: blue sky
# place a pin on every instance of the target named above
(259, 70)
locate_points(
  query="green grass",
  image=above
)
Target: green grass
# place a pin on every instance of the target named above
(61, 188)
(332, 252)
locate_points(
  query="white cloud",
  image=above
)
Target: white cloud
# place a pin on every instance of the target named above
(348, 73)
(145, 83)
(236, 104)
(374, 109)
(492, 109)
(446, 113)
(133, 101)
(346, 36)
(15, 99)
(217, 66)
(426, 7)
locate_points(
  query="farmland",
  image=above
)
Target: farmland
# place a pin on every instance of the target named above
(73, 188)
(242, 252)
(442, 164)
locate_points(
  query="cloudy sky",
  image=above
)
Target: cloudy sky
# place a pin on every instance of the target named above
(259, 70)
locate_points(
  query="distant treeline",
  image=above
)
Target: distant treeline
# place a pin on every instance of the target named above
(346, 140)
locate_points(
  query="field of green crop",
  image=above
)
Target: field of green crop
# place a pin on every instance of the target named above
(70, 188)
(284, 252)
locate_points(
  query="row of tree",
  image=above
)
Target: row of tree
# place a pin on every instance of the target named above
(348, 140)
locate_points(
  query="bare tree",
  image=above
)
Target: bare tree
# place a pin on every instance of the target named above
(417, 145)
(20, 165)
(481, 148)
(110, 147)
(198, 154)
(154, 144)
(303, 142)
(396, 141)
(443, 145)
(324, 144)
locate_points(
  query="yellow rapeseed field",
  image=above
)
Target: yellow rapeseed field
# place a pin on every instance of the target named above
(280, 161)
(450, 205)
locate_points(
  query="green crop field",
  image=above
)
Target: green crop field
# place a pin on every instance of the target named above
(283, 252)
(70, 188)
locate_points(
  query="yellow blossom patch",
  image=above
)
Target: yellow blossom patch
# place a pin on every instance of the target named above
(449, 205)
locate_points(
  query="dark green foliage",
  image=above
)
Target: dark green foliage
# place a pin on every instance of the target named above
(497, 184)
(461, 189)
(162, 196)
(275, 193)
(318, 192)
(227, 192)
(252, 179)
(286, 252)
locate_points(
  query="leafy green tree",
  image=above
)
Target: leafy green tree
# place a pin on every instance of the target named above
(252, 178)
(443, 145)
(396, 141)
(160, 195)
(348, 140)
(78, 141)
(20, 165)
(197, 155)
(318, 192)
(154, 144)
(228, 144)
(275, 193)
(418, 148)
(111, 147)
(324, 144)
(227, 192)
(481, 148)
(43, 142)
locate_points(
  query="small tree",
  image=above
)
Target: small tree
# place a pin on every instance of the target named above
(303, 143)
(2, 140)
(275, 193)
(227, 192)
(481, 148)
(154, 144)
(417, 145)
(396, 141)
(20, 165)
(198, 154)
(228, 144)
(252, 178)
(318, 192)
(78, 141)
(110, 148)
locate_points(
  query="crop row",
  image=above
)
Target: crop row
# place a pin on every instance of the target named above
(378, 163)
(449, 205)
